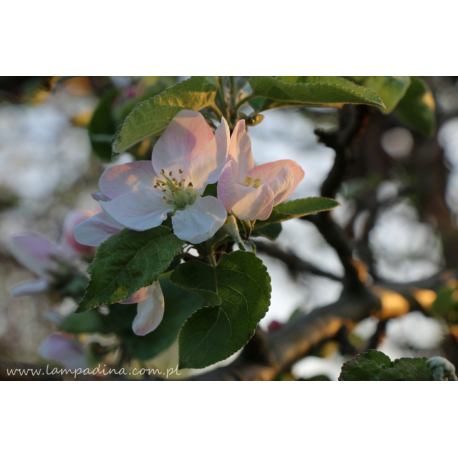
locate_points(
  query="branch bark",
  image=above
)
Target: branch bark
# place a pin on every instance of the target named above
(294, 263)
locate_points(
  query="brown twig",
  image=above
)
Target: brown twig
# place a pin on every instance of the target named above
(294, 263)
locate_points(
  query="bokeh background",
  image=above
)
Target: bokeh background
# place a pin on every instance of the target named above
(399, 206)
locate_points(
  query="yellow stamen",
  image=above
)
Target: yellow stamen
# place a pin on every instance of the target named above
(256, 183)
(248, 181)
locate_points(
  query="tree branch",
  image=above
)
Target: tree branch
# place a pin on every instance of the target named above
(294, 263)
(268, 355)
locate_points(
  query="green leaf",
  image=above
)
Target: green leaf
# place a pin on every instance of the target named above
(197, 277)
(126, 262)
(374, 365)
(313, 91)
(417, 107)
(152, 116)
(102, 126)
(214, 333)
(270, 231)
(77, 323)
(446, 304)
(296, 209)
(179, 305)
(211, 190)
(405, 371)
(391, 89)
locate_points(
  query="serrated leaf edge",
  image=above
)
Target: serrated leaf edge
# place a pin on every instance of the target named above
(89, 271)
(118, 134)
(335, 85)
(211, 306)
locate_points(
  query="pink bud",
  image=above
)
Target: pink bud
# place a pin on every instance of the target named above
(73, 219)
(274, 325)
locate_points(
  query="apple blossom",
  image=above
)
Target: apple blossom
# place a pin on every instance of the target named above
(150, 300)
(42, 256)
(251, 192)
(186, 158)
(65, 350)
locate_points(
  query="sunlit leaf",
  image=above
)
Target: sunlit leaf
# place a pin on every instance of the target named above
(152, 116)
(296, 209)
(390, 89)
(313, 91)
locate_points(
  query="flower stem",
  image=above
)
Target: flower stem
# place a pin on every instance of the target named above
(234, 230)
(243, 101)
(211, 260)
(222, 98)
(216, 110)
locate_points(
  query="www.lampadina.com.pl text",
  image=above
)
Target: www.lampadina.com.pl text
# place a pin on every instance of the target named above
(98, 371)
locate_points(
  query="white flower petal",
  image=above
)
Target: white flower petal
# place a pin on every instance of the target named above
(130, 177)
(149, 312)
(139, 210)
(206, 164)
(240, 151)
(139, 296)
(186, 134)
(97, 229)
(256, 204)
(29, 287)
(198, 222)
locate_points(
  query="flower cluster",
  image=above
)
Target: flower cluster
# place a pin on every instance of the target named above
(44, 257)
(187, 157)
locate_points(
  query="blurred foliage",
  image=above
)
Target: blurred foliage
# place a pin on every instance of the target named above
(376, 366)
(446, 304)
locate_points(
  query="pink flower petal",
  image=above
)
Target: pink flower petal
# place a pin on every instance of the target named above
(139, 210)
(120, 179)
(198, 222)
(139, 296)
(268, 173)
(64, 350)
(240, 151)
(95, 230)
(256, 204)
(149, 312)
(229, 190)
(74, 218)
(282, 184)
(35, 252)
(186, 134)
(205, 165)
(29, 287)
